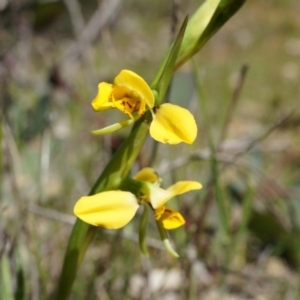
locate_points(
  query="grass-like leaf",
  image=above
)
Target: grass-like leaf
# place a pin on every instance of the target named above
(82, 233)
(213, 18)
(6, 284)
(165, 73)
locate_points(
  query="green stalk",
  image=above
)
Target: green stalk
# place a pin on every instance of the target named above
(20, 285)
(143, 230)
(6, 284)
(164, 75)
(224, 11)
(82, 233)
(164, 237)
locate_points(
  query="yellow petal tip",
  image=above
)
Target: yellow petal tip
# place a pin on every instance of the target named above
(173, 124)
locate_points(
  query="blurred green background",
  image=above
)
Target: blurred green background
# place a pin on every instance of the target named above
(52, 56)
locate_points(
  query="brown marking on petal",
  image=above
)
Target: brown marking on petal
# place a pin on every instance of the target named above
(159, 212)
(155, 108)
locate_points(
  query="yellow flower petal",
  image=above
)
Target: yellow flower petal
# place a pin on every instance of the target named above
(111, 209)
(158, 196)
(159, 211)
(173, 124)
(147, 174)
(171, 219)
(136, 84)
(101, 102)
(182, 187)
(119, 92)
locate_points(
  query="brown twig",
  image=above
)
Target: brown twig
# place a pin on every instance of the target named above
(105, 13)
(77, 21)
(76, 16)
(267, 133)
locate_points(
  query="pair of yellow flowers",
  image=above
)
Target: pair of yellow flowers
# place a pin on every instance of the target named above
(170, 124)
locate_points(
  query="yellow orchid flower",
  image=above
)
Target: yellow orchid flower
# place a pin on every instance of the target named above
(114, 209)
(130, 93)
(170, 218)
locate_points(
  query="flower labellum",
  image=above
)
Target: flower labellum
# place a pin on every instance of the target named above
(129, 93)
(158, 197)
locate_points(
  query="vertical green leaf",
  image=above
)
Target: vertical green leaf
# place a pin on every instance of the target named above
(205, 22)
(143, 230)
(20, 286)
(82, 233)
(6, 284)
(165, 73)
(195, 28)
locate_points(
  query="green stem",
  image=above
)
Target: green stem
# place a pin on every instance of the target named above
(165, 239)
(5, 275)
(131, 185)
(143, 230)
(82, 233)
